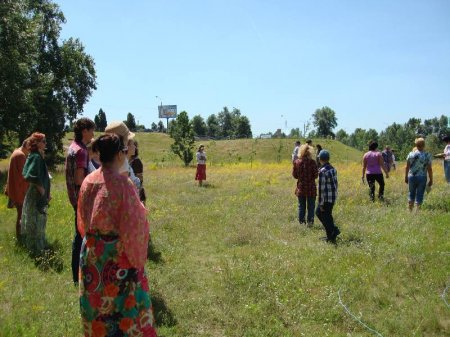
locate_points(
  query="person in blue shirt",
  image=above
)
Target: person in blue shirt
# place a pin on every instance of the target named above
(328, 191)
(418, 164)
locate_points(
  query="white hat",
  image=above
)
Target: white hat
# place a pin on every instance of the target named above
(120, 129)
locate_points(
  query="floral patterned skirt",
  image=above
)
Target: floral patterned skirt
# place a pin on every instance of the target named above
(114, 297)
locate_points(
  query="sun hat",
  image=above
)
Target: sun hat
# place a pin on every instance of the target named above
(120, 129)
(324, 155)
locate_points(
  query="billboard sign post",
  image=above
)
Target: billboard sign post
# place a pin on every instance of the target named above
(167, 111)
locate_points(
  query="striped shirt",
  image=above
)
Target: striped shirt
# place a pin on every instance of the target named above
(328, 184)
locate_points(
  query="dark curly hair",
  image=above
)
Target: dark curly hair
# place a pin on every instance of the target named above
(80, 125)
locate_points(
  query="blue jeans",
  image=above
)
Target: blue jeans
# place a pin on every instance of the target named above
(302, 203)
(447, 170)
(416, 186)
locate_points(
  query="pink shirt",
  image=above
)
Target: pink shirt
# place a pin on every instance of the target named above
(108, 203)
(372, 160)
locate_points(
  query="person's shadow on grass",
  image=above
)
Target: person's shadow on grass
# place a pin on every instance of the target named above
(163, 315)
(152, 254)
(49, 259)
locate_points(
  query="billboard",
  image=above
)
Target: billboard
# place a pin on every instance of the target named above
(167, 111)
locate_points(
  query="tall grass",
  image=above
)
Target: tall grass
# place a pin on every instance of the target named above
(231, 259)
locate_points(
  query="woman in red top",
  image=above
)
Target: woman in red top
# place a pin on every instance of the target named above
(306, 172)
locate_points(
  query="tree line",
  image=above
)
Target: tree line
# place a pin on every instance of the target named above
(400, 137)
(224, 125)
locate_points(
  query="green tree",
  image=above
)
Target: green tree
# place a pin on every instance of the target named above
(130, 122)
(342, 136)
(295, 133)
(43, 81)
(182, 132)
(243, 128)
(199, 125)
(213, 126)
(325, 121)
(100, 121)
(154, 127)
(225, 120)
(161, 127)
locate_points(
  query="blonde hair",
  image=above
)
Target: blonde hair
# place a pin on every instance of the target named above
(419, 144)
(305, 151)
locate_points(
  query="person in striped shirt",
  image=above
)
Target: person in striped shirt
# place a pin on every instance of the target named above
(328, 191)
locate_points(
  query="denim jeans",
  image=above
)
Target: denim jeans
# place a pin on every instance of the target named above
(416, 186)
(302, 203)
(447, 170)
(326, 217)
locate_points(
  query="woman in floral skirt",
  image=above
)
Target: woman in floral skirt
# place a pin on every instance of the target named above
(114, 291)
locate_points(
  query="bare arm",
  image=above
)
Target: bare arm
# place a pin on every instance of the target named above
(406, 171)
(364, 168)
(430, 174)
(383, 166)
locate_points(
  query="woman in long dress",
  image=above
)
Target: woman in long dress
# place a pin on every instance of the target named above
(200, 175)
(34, 213)
(114, 290)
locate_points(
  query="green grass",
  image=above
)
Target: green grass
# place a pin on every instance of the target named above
(231, 259)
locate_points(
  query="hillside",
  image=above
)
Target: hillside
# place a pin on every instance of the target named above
(154, 149)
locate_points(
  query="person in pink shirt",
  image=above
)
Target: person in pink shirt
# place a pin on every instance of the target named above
(373, 165)
(114, 290)
(16, 185)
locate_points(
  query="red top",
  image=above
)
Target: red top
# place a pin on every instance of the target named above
(306, 172)
(17, 186)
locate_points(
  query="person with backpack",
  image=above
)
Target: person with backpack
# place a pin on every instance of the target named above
(388, 158)
(418, 164)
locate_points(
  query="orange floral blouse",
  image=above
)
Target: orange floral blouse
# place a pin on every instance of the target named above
(109, 204)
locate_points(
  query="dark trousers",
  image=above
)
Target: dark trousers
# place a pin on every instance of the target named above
(306, 203)
(325, 216)
(76, 248)
(371, 178)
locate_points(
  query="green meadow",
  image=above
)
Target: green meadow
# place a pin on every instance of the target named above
(230, 259)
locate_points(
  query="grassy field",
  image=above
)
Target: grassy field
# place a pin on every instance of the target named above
(230, 259)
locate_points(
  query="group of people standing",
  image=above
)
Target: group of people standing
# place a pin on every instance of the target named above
(306, 169)
(28, 190)
(418, 171)
(111, 230)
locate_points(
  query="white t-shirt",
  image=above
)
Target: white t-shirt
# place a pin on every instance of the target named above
(201, 158)
(295, 153)
(447, 152)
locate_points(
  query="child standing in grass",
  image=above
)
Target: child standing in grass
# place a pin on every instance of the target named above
(201, 165)
(328, 190)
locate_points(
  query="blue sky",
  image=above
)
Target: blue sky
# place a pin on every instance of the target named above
(374, 62)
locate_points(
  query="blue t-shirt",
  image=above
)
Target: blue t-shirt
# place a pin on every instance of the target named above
(418, 163)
